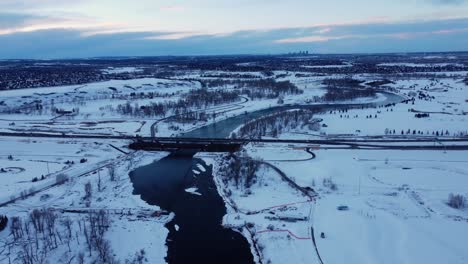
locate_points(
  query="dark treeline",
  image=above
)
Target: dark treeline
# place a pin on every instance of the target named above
(421, 115)
(194, 99)
(277, 123)
(257, 89)
(231, 75)
(338, 94)
(345, 89)
(343, 83)
(190, 117)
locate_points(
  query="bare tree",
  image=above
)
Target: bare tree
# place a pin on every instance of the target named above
(99, 183)
(111, 170)
(16, 228)
(88, 192)
(81, 258)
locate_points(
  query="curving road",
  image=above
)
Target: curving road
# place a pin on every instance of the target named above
(308, 150)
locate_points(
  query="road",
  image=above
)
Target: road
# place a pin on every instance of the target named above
(403, 144)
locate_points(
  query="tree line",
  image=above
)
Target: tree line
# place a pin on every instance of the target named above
(194, 99)
(256, 89)
(278, 123)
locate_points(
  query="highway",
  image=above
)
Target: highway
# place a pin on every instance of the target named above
(429, 143)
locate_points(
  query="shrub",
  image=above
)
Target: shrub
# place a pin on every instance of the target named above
(61, 178)
(456, 201)
(328, 182)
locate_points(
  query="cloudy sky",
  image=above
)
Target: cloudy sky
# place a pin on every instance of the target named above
(90, 28)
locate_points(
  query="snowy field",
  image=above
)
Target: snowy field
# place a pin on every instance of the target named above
(130, 218)
(24, 159)
(393, 203)
(448, 112)
(397, 202)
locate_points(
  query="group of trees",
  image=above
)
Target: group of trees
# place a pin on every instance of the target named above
(339, 94)
(342, 83)
(94, 227)
(45, 230)
(189, 117)
(329, 183)
(240, 170)
(346, 89)
(226, 75)
(37, 235)
(276, 124)
(256, 89)
(195, 99)
(389, 131)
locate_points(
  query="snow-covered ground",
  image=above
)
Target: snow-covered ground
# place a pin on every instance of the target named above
(397, 202)
(24, 159)
(131, 219)
(262, 209)
(95, 102)
(422, 65)
(448, 112)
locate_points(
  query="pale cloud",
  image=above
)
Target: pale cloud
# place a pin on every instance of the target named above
(224, 16)
(389, 31)
(451, 31)
(49, 23)
(175, 36)
(324, 30)
(310, 39)
(173, 8)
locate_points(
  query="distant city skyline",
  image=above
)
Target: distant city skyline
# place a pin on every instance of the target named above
(42, 29)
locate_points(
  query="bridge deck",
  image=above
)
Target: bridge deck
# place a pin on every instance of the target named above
(172, 146)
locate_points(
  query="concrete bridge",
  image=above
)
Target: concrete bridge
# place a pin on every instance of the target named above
(230, 145)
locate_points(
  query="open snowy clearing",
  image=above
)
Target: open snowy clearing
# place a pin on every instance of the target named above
(397, 202)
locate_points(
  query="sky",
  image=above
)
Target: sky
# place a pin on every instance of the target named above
(47, 29)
